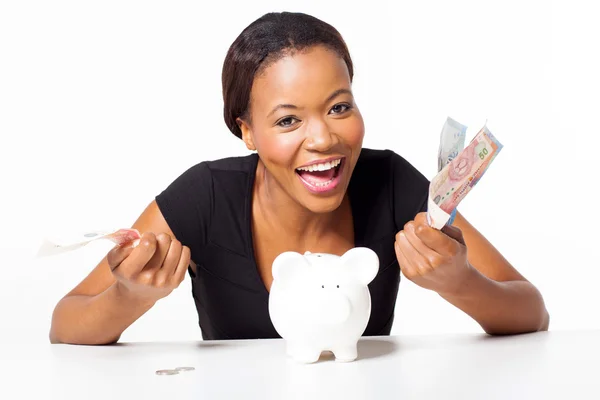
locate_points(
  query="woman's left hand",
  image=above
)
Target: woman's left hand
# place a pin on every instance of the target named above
(433, 259)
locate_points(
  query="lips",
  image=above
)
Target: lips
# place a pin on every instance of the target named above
(321, 181)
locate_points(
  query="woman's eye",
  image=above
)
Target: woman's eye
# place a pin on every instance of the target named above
(286, 122)
(340, 108)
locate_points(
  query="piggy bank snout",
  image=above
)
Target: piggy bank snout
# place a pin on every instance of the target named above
(332, 307)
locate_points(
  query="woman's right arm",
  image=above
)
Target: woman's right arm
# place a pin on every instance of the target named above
(125, 284)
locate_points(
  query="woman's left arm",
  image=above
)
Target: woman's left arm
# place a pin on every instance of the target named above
(464, 268)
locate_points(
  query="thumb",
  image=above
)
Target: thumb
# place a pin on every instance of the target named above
(454, 232)
(118, 254)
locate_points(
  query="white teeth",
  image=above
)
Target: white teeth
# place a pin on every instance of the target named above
(319, 184)
(322, 166)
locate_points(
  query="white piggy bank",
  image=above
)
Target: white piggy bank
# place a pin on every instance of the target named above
(320, 302)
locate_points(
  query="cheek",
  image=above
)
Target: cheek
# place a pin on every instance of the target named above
(352, 130)
(278, 148)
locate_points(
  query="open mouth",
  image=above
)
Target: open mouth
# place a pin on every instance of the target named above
(322, 177)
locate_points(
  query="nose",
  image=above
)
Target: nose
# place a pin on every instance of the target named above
(319, 137)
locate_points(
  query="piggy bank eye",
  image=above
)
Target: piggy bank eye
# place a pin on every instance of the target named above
(323, 286)
(338, 286)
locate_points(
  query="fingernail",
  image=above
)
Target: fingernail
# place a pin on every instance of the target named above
(411, 227)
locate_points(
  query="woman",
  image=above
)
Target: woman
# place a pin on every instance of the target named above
(309, 186)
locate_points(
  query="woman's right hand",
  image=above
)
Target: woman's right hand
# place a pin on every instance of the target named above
(152, 269)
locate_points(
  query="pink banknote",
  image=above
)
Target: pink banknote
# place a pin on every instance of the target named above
(456, 179)
(123, 236)
(65, 243)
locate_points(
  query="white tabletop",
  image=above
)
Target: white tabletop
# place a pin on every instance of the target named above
(533, 366)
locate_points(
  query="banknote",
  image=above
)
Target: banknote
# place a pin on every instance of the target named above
(450, 186)
(64, 243)
(452, 141)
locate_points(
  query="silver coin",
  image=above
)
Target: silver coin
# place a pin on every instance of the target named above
(182, 369)
(167, 372)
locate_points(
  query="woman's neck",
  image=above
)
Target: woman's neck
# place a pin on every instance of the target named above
(284, 214)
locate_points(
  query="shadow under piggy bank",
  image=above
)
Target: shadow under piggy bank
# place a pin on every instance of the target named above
(368, 348)
(375, 348)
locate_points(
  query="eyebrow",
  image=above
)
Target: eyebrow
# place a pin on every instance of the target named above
(293, 107)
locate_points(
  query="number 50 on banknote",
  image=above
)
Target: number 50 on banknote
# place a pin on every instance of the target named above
(460, 174)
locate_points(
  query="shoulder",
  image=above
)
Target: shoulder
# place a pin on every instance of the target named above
(203, 184)
(196, 186)
(384, 180)
(207, 190)
(374, 156)
(388, 165)
(243, 164)
(204, 174)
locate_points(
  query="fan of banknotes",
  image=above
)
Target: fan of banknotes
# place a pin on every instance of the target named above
(459, 170)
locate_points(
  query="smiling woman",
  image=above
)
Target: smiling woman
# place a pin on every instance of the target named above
(308, 185)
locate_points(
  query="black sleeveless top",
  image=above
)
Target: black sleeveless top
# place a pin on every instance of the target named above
(208, 208)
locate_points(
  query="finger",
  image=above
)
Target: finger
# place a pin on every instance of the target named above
(117, 255)
(163, 243)
(184, 262)
(172, 259)
(170, 263)
(405, 265)
(412, 255)
(421, 218)
(436, 240)
(454, 232)
(139, 256)
(427, 252)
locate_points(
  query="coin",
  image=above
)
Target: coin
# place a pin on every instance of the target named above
(167, 372)
(181, 369)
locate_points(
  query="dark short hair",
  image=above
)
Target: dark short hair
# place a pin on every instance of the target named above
(263, 42)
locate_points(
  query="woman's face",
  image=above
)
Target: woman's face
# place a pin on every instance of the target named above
(306, 126)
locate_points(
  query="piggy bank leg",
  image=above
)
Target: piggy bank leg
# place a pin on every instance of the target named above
(303, 353)
(346, 353)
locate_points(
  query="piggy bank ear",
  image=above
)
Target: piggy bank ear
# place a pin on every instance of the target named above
(362, 262)
(288, 266)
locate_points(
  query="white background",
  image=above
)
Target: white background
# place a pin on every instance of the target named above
(103, 104)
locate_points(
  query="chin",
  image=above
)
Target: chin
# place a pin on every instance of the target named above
(323, 205)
